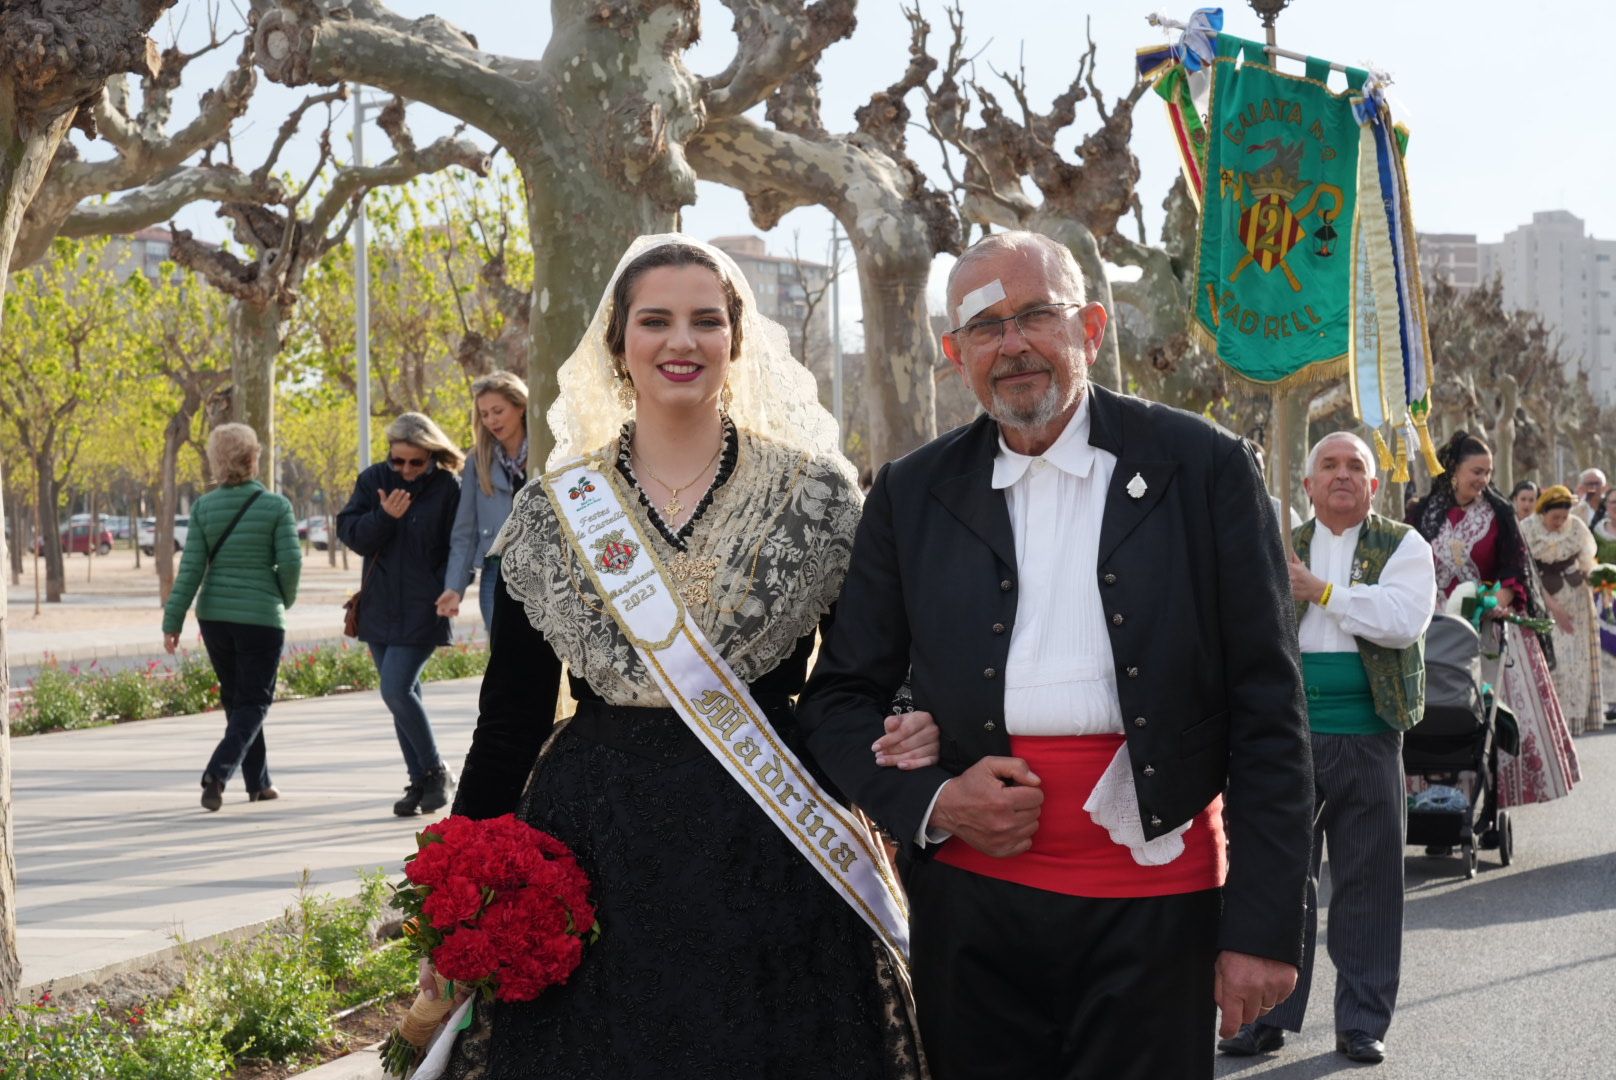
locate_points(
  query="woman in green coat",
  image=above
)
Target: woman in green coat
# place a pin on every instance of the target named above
(242, 552)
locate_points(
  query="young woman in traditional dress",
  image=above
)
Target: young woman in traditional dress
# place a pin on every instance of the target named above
(1563, 549)
(724, 953)
(1474, 537)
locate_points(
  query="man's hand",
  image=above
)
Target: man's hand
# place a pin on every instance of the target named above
(1305, 586)
(396, 503)
(993, 806)
(911, 742)
(170, 643)
(448, 604)
(1248, 987)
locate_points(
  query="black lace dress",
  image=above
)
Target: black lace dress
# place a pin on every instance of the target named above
(723, 953)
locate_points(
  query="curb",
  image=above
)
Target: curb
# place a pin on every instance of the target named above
(80, 979)
(363, 1064)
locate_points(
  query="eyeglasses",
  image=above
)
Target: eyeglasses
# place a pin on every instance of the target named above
(411, 462)
(1035, 322)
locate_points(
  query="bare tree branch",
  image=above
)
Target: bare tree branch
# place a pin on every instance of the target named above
(776, 38)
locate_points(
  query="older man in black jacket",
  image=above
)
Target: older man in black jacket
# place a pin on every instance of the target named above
(1089, 593)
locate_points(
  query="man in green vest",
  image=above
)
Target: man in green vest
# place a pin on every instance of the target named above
(1365, 587)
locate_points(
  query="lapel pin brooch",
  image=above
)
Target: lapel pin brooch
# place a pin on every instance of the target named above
(1137, 487)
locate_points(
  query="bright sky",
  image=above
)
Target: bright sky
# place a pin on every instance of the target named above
(1506, 102)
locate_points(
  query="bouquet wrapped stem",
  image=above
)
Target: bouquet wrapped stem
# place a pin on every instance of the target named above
(500, 909)
(404, 1046)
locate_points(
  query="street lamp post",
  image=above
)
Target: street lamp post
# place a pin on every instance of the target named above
(362, 283)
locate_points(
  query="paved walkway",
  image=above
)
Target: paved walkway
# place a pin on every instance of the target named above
(115, 856)
(1510, 975)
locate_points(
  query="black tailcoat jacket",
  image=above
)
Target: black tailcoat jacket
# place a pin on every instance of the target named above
(1192, 578)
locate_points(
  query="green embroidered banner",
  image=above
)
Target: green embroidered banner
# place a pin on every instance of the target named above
(1274, 261)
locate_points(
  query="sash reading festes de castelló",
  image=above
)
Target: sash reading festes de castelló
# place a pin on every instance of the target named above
(713, 702)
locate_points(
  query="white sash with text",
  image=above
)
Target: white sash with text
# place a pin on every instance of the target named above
(714, 702)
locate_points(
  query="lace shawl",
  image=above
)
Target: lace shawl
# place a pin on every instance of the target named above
(780, 530)
(1572, 541)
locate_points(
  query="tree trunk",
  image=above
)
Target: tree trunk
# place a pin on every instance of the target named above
(10, 964)
(50, 536)
(255, 346)
(330, 528)
(1504, 431)
(899, 348)
(18, 539)
(580, 228)
(1076, 238)
(168, 500)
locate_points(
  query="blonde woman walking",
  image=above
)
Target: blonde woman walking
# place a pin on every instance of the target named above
(244, 558)
(399, 518)
(495, 472)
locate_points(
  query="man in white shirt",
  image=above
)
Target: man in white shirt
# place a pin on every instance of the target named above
(1590, 492)
(1365, 588)
(1088, 593)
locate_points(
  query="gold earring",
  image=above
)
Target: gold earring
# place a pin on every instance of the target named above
(624, 387)
(726, 399)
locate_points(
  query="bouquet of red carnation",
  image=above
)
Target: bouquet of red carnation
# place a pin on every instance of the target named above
(499, 907)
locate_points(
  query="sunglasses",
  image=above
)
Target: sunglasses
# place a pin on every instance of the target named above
(409, 462)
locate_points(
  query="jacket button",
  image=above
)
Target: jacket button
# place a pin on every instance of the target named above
(989, 726)
(998, 628)
(1150, 770)
(1155, 821)
(1116, 620)
(1110, 579)
(988, 673)
(1006, 585)
(1139, 721)
(1133, 673)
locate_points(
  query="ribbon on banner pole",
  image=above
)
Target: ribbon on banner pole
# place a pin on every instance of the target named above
(1180, 73)
(713, 701)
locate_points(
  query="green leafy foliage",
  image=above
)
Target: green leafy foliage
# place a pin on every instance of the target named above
(327, 669)
(65, 698)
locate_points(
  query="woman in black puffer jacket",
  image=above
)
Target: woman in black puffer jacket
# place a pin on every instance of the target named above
(399, 518)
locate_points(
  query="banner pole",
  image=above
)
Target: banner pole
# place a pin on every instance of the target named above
(1281, 395)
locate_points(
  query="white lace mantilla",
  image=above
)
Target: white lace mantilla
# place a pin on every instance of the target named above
(780, 531)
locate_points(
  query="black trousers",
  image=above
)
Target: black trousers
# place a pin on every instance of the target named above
(246, 659)
(1017, 983)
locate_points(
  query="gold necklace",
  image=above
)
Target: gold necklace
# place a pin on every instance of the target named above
(674, 508)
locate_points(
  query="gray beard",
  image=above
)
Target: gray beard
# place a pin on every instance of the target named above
(1038, 414)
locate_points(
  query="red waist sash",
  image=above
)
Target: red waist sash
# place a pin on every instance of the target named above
(1070, 854)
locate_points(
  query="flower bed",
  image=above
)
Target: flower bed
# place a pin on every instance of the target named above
(64, 698)
(251, 1008)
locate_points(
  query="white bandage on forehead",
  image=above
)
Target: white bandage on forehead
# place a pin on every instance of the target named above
(978, 301)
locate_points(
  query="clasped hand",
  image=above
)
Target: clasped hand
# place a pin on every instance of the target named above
(992, 806)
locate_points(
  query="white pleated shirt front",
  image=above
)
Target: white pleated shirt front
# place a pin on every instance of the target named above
(1060, 678)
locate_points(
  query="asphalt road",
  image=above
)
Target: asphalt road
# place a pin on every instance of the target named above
(1510, 976)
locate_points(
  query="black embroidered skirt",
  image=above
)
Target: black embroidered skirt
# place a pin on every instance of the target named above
(723, 954)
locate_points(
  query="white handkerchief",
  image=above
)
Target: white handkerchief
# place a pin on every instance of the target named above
(1114, 806)
(437, 1051)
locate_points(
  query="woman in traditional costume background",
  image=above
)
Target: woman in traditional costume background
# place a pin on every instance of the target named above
(1524, 499)
(1604, 530)
(1474, 537)
(1563, 549)
(724, 953)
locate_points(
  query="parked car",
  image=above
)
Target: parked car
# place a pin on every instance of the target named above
(319, 533)
(79, 540)
(116, 524)
(148, 533)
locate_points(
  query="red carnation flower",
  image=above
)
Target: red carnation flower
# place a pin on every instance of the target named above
(457, 900)
(466, 955)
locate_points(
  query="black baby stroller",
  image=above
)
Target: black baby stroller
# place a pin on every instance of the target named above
(1455, 750)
